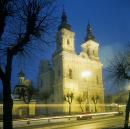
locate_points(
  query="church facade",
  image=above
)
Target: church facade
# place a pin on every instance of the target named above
(79, 75)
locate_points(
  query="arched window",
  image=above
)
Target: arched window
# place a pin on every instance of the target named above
(70, 73)
(68, 42)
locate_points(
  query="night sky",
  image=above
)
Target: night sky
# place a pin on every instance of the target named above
(110, 20)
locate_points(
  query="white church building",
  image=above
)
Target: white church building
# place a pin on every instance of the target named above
(69, 72)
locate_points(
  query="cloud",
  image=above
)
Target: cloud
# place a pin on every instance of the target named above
(108, 51)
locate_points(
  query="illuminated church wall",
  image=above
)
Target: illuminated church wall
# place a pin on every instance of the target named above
(80, 74)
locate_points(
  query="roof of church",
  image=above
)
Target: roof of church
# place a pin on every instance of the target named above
(21, 74)
(90, 35)
(64, 23)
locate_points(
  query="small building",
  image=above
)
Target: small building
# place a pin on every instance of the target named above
(21, 106)
(23, 84)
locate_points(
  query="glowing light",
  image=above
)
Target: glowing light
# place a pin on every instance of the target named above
(85, 74)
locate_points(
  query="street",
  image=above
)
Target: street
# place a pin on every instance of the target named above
(97, 123)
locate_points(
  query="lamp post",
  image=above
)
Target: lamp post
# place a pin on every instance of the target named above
(127, 111)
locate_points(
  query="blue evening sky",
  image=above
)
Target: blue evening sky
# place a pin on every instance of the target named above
(110, 20)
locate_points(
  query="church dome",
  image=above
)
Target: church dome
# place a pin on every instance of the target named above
(21, 74)
(64, 23)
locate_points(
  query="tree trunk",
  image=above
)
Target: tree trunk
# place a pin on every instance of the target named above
(127, 113)
(2, 24)
(7, 106)
(95, 108)
(81, 108)
(86, 108)
(7, 99)
(28, 113)
(69, 109)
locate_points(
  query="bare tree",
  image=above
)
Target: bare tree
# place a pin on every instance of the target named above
(80, 100)
(95, 101)
(69, 99)
(35, 18)
(26, 93)
(6, 10)
(119, 69)
(85, 98)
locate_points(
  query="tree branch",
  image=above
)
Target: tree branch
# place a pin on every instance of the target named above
(2, 75)
(6, 9)
(21, 43)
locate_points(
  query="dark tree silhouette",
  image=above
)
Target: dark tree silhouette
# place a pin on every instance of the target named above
(80, 100)
(95, 101)
(6, 10)
(119, 69)
(85, 98)
(27, 93)
(36, 19)
(69, 99)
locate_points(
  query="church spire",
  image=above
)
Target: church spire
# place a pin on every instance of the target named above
(63, 17)
(64, 23)
(89, 33)
(21, 74)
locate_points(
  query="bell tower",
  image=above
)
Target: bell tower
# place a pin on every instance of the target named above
(64, 37)
(90, 47)
(64, 52)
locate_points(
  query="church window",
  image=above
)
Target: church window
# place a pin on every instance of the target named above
(68, 42)
(70, 73)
